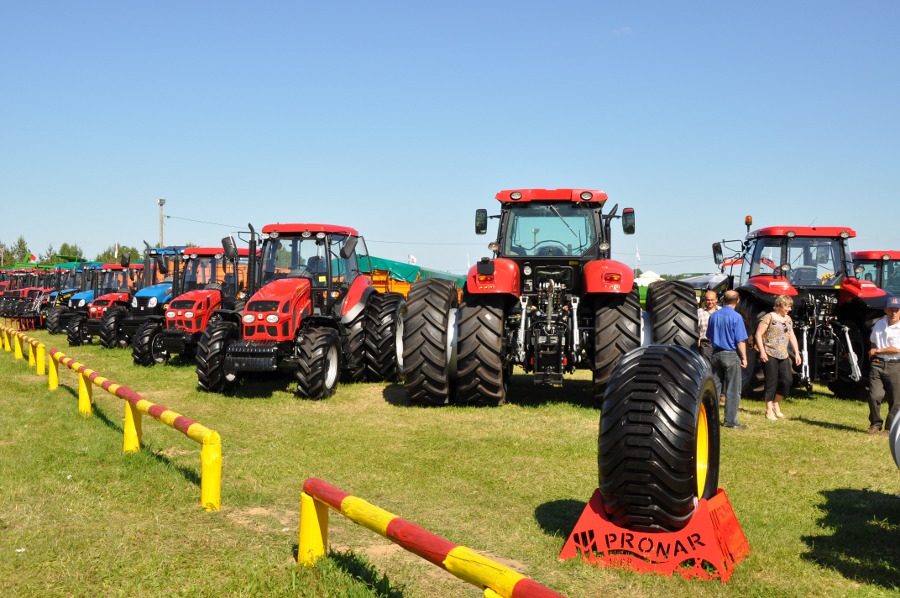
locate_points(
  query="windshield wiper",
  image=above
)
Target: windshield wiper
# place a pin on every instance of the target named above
(555, 211)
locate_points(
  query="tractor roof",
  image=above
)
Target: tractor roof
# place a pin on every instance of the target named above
(313, 228)
(888, 256)
(212, 251)
(803, 231)
(572, 195)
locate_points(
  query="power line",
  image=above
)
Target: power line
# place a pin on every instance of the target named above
(231, 226)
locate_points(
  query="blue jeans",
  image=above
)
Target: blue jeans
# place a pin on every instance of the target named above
(727, 371)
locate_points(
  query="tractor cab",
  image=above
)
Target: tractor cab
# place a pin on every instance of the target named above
(881, 268)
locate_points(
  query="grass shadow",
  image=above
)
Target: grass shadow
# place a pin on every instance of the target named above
(360, 569)
(189, 475)
(864, 545)
(829, 425)
(558, 517)
(255, 385)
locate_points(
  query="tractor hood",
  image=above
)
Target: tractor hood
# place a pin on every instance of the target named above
(213, 296)
(86, 296)
(283, 289)
(112, 298)
(161, 291)
(771, 285)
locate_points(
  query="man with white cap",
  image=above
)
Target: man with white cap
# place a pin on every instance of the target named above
(884, 373)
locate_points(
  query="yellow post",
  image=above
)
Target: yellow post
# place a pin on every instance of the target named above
(53, 376)
(6, 344)
(313, 530)
(31, 357)
(84, 395)
(211, 471)
(132, 440)
(18, 346)
(41, 366)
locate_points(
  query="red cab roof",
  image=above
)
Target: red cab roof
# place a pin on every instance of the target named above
(575, 195)
(876, 255)
(313, 228)
(803, 231)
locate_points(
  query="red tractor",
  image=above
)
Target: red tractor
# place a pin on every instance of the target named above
(833, 311)
(549, 300)
(315, 316)
(882, 268)
(114, 285)
(210, 279)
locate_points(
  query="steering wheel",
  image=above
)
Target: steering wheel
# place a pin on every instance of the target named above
(563, 250)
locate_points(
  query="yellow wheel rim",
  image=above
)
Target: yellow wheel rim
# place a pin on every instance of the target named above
(702, 450)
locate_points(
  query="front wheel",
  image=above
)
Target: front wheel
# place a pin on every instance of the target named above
(211, 373)
(54, 316)
(110, 325)
(76, 332)
(319, 361)
(147, 349)
(659, 439)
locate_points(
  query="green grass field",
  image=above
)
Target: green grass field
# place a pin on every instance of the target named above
(815, 495)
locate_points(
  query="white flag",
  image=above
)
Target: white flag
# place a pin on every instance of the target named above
(637, 254)
(411, 259)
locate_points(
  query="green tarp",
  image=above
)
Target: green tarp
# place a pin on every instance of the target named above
(410, 272)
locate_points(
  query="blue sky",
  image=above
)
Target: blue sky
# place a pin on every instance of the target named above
(402, 118)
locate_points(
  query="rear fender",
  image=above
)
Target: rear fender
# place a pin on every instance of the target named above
(607, 276)
(356, 298)
(494, 277)
(771, 286)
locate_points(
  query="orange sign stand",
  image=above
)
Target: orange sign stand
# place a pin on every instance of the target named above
(708, 547)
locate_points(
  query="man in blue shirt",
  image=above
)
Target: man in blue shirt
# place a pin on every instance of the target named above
(728, 335)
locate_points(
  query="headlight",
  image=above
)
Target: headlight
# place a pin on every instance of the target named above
(134, 302)
(249, 318)
(272, 318)
(81, 303)
(152, 303)
(189, 315)
(170, 315)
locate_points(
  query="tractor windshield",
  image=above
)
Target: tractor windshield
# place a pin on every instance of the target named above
(203, 270)
(548, 229)
(813, 261)
(307, 257)
(114, 281)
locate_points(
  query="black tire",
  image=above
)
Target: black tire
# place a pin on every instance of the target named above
(659, 438)
(110, 337)
(753, 379)
(673, 313)
(146, 348)
(353, 345)
(211, 374)
(319, 363)
(384, 337)
(482, 372)
(54, 315)
(617, 330)
(76, 331)
(428, 341)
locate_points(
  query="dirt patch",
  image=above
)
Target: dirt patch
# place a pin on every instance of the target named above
(262, 518)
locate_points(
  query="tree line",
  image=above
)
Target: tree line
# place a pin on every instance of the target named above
(20, 252)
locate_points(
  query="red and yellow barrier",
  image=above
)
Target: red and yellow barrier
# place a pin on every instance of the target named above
(135, 407)
(495, 579)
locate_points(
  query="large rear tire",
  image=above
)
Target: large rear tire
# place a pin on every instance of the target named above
(147, 349)
(110, 337)
(211, 374)
(353, 344)
(319, 361)
(384, 337)
(617, 330)
(76, 331)
(482, 374)
(673, 313)
(659, 438)
(54, 316)
(429, 341)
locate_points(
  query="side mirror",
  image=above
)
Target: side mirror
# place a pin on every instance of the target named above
(717, 253)
(481, 219)
(349, 247)
(161, 266)
(228, 245)
(125, 260)
(628, 221)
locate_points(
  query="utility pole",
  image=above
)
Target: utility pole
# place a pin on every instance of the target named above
(161, 203)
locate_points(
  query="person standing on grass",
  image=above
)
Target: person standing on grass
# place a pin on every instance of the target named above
(729, 354)
(884, 371)
(709, 305)
(774, 336)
